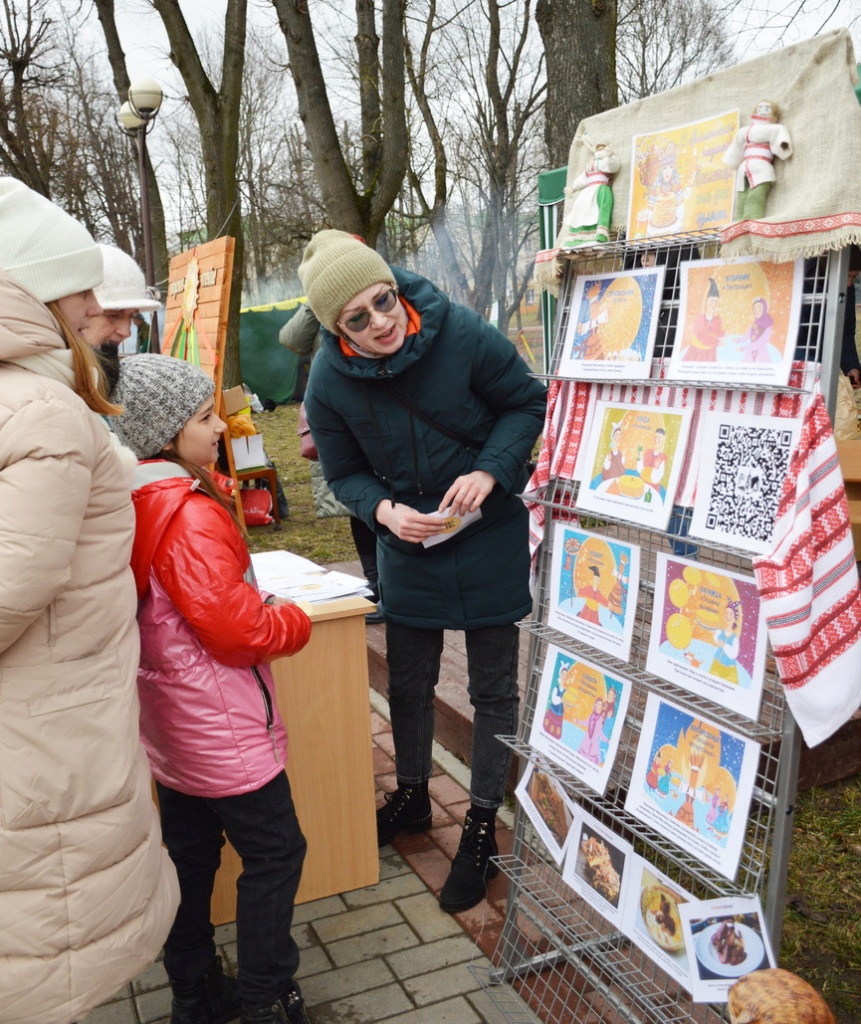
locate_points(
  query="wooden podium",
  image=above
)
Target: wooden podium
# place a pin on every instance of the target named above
(322, 693)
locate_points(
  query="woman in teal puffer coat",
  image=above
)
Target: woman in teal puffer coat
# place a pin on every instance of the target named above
(424, 417)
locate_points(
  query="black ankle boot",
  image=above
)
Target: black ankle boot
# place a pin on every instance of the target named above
(289, 1009)
(212, 999)
(408, 809)
(471, 868)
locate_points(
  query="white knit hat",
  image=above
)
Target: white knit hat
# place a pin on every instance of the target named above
(42, 247)
(159, 395)
(124, 286)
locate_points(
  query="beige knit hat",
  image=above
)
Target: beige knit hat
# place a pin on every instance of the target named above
(337, 266)
(42, 247)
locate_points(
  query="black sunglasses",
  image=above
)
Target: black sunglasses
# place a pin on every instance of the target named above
(384, 303)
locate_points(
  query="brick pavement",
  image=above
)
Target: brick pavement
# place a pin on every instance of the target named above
(387, 952)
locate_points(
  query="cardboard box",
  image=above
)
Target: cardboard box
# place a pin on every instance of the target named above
(248, 452)
(235, 400)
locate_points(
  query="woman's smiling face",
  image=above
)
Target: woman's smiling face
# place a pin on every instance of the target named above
(386, 330)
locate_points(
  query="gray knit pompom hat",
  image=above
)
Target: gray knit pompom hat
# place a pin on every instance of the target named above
(159, 395)
(336, 267)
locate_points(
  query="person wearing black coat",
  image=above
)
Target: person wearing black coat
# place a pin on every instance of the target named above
(424, 417)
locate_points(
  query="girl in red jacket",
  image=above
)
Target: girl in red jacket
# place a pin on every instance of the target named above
(209, 721)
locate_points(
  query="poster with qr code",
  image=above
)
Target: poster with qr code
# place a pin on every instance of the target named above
(738, 321)
(593, 589)
(611, 332)
(743, 462)
(692, 782)
(634, 456)
(708, 633)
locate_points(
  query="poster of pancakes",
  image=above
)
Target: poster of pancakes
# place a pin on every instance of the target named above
(708, 633)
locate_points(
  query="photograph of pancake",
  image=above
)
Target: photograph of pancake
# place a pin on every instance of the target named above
(652, 920)
(597, 867)
(548, 807)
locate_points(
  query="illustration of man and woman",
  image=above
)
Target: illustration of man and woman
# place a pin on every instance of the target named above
(659, 777)
(614, 465)
(727, 643)
(652, 463)
(707, 330)
(588, 343)
(756, 339)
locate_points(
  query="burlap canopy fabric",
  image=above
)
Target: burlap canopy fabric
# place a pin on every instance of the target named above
(815, 204)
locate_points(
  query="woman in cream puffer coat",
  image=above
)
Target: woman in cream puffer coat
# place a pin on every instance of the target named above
(87, 894)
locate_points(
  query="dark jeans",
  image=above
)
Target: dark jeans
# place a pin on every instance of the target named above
(263, 829)
(414, 661)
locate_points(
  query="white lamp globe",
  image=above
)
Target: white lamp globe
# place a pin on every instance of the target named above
(145, 97)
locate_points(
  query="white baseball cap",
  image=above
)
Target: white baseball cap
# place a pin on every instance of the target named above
(124, 286)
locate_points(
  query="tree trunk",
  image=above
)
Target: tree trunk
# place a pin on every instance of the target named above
(358, 207)
(217, 113)
(580, 46)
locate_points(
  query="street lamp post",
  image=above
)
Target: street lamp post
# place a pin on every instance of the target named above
(136, 117)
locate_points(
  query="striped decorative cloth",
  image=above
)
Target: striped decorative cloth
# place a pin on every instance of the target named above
(808, 586)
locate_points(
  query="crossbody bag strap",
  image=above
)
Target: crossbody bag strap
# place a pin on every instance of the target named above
(466, 442)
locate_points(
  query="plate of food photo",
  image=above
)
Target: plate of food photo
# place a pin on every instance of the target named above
(730, 949)
(659, 907)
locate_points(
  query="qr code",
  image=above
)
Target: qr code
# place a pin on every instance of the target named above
(751, 464)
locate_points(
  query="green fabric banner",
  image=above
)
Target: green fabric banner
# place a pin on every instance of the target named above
(269, 369)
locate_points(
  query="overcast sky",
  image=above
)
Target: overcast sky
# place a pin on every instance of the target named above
(758, 26)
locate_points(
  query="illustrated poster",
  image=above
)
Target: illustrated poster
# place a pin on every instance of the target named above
(679, 181)
(738, 321)
(743, 462)
(548, 807)
(692, 781)
(598, 866)
(652, 921)
(611, 330)
(593, 589)
(725, 939)
(579, 716)
(634, 456)
(708, 633)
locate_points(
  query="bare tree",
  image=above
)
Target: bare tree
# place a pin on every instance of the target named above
(659, 46)
(32, 69)
(481, 144)
(356, 202)
(580, 47)
(216, 109)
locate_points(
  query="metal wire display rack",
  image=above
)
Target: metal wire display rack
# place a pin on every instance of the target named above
(558, 960)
